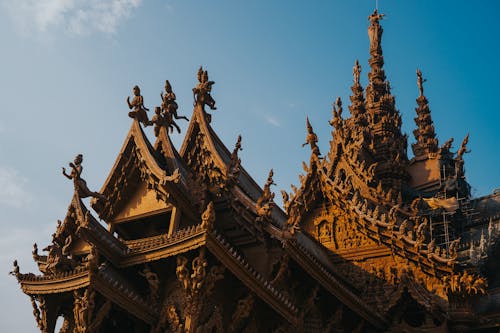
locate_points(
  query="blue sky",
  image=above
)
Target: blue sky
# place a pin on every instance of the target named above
(68, 66)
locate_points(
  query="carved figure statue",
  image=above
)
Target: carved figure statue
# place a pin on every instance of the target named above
(79, 183)
(199, 265)
(169, 105)
(375, 30)
(420, 82)
(182, 272)
(201, 93)
(208, 217)
(311, 139)
(153, 281)
(356, 71)
(139, 110)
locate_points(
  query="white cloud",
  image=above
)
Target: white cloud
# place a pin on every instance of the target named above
(273, 121)
(75, 17)
(12, 188)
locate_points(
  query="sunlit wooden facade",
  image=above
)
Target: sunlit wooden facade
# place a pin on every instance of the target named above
(369, 241)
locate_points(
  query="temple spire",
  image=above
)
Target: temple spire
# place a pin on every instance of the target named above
(388, 144)
(377, 86)
(425, 135)
(357, 106)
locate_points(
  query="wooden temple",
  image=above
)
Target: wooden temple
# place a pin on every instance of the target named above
(369, 241)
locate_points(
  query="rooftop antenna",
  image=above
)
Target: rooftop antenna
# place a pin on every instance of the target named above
(376, 5)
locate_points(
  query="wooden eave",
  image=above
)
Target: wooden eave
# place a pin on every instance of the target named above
(318, 271)
(389, 239)
(253, 280)
(107, 245)
(109, 283)
(163, 246)
(32, 284)
(106, 281)
(79, 222)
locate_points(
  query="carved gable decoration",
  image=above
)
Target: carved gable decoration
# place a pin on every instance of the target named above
(135, 164)
(142, 201)
(333, 228)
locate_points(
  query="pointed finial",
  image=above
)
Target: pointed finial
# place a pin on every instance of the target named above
(463, 148)
(311, 138)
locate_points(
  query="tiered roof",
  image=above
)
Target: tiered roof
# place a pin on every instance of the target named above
(356, 231)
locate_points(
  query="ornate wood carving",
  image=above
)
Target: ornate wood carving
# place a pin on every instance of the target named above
(197, 285)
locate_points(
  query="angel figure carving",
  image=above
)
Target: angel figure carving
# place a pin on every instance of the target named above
(201, 93)
(137, 106)
(79, 183)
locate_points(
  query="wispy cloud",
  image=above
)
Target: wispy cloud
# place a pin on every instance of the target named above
(273, 121)
(75, 17)
(13, 191)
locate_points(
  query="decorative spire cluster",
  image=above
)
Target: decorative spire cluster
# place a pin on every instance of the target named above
(357, 106)
(425, 135)
(388, 145)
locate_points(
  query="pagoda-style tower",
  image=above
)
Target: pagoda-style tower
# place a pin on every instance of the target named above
(388, 144)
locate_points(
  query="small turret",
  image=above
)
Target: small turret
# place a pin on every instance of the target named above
(425, 135)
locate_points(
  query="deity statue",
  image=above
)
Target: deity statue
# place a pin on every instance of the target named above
(356, 71)
(420, 82)
(182, 272)
(201, 93)
(79, 183)
(139, 110)
(169, 105)
(311, 139)
(375, 30)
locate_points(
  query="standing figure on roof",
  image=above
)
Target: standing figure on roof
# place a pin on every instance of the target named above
(169, 105)
(375, 30)
(420, 82)
(201, 93)
(139, 110)
(79, 183)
